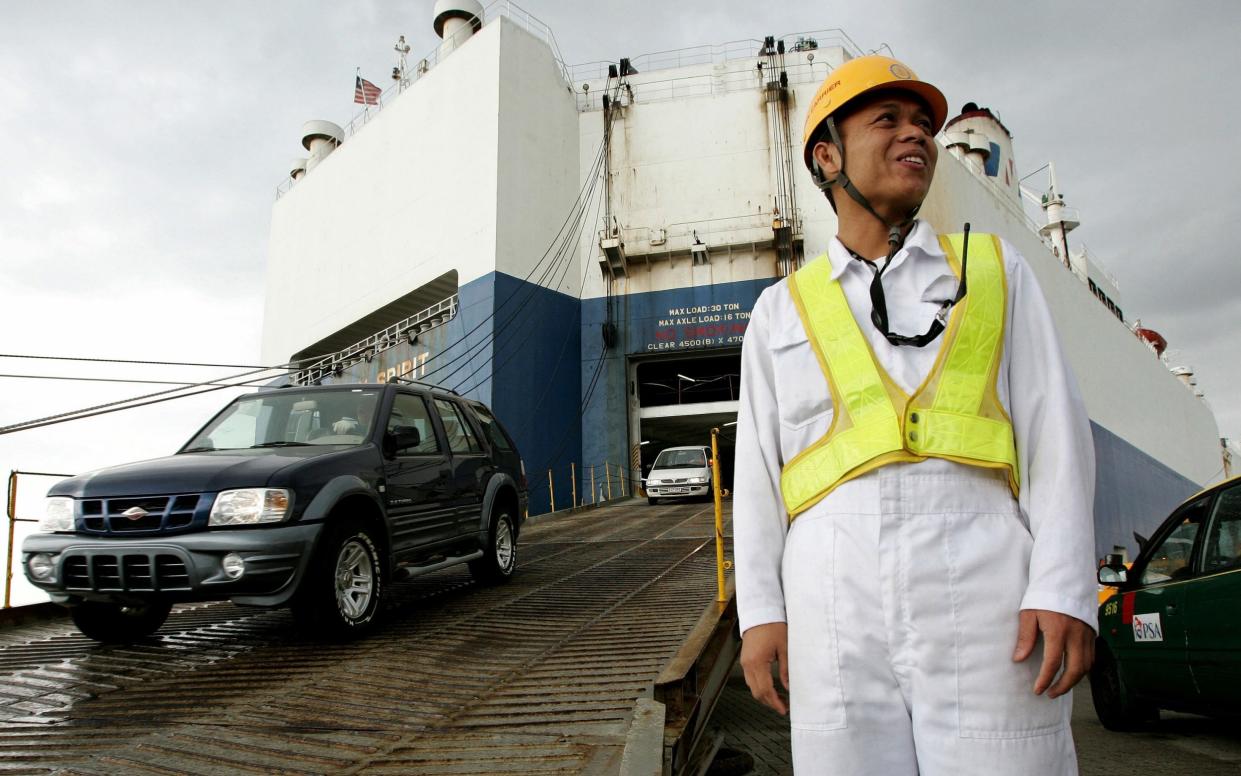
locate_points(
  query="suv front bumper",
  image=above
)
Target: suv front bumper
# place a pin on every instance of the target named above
(182, 567)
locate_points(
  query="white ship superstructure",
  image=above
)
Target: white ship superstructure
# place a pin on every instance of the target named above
(580, 248)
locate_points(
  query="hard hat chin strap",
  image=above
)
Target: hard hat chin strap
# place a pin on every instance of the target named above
(895, 238)
(879, 305)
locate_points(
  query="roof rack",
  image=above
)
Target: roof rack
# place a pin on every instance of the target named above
(423, 383)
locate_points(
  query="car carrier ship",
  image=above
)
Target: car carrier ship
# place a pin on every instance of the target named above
(580, 247)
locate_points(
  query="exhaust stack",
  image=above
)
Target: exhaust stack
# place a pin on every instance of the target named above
(455, 21)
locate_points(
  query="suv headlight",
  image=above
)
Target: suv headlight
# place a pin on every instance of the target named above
(249, 506)
(57, 515)
(697, 480)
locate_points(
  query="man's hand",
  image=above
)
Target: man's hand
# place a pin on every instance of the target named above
(345, 426)
(1067, 641)
(759, 646)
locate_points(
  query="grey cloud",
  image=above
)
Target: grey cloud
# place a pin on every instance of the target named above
(147, 137)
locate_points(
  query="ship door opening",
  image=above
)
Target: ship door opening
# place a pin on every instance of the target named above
(681, 398)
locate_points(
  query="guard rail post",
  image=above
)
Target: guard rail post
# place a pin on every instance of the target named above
(11, 509)
(551, 489)
(573, 480)
(607, 473)
(719, 515)
(592, 483)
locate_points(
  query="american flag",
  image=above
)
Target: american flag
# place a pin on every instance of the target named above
(365, 92)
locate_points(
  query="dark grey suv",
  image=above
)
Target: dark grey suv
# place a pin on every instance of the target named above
(311, 497)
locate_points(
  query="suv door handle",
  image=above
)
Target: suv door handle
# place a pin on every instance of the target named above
(1170, 609)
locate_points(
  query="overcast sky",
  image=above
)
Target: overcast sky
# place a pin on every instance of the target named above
(141, 144)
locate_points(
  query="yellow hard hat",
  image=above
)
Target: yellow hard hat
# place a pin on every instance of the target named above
(859, 76)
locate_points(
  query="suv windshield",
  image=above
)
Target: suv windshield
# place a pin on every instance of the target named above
(681, 459)
(290, 419)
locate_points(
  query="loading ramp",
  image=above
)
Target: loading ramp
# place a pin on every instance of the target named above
(541, 675)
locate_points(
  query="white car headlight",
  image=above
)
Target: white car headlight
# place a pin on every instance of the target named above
(697, 480)
(57, 515)
(249, 506)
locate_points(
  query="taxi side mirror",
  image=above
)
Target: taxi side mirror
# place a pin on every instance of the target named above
(1112, 576)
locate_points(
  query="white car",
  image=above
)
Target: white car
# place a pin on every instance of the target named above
(680, 472)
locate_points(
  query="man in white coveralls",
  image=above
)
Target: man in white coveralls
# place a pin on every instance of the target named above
(914, 475)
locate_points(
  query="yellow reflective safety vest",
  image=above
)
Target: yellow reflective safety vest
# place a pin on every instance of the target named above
(955, 413)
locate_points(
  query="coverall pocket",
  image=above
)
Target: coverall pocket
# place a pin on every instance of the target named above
(801, 390)
(816, 694)
(989, 557)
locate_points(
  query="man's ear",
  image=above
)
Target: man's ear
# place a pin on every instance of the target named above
(827, 156)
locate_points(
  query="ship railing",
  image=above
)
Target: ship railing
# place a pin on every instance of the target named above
(1004, 196)
(746, 48)
(364, 350)
(704, 84)
(1070, 214)
(421, 67)
(492, 12)
(725, 232)
(1093, 261)
(1018, 210)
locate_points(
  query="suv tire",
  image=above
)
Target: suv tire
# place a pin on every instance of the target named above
(339, 598)
(652, 500)
(1114, 704)
(499, 561)
(111, 623)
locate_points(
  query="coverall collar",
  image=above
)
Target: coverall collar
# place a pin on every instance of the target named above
(921, 239)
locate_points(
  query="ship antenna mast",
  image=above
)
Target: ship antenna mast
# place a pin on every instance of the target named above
(398, 72)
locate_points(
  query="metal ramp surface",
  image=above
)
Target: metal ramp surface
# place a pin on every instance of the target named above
(537, 676)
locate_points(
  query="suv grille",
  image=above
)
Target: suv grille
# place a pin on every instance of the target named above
(128, 572)
(163, 513)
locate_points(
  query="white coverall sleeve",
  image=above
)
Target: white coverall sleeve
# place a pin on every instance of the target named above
(759, 519)
(1055, 453)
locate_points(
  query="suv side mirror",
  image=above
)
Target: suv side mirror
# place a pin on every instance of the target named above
(400, 438)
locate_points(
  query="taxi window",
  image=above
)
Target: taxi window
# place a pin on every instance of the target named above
(461, 438)
(1223, 547)
(1171, 559)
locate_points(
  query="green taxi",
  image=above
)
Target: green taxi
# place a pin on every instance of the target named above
(1171, 636)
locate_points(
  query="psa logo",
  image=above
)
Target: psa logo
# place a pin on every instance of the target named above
(1146, 627)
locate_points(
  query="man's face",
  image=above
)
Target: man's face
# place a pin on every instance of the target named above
(890, 151)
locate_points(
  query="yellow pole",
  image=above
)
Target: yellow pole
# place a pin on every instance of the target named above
(551, 488)
(573, 479)
(719, 515)
(592, 483)
(12, 512)
(607, 473)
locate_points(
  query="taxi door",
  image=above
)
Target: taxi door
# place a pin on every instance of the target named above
(1152, 646)
(1213, 602)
